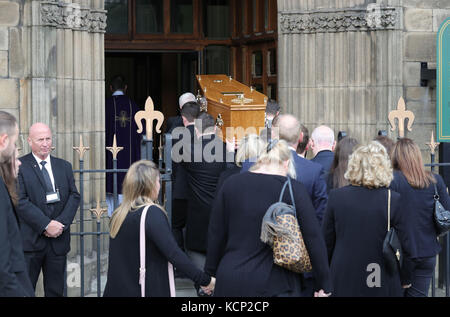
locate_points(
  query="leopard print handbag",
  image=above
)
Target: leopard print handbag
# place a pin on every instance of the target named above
(280, 229)
(289, 251)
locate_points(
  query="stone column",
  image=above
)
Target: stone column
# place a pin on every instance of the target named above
(340, 63)
(10, 68)
(62, 84)
(65, 77)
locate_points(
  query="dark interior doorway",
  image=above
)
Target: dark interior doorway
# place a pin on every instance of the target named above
(164, 76)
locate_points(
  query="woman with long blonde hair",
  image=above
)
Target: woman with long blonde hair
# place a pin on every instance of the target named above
(417, 189)
(140, 189)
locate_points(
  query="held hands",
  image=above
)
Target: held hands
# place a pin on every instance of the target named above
(54, 229)
(407, 286)
(321, 293)
(210, 288)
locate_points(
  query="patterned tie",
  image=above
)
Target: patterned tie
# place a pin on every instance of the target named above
(48, 182)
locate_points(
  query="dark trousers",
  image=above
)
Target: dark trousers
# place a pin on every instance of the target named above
(179, 211)
(421, 279)
(53, 267)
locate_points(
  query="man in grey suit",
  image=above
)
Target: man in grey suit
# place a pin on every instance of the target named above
(48, 202)
(14, 279)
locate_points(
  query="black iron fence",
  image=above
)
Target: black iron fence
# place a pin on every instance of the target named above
(444, 256)
(165, 199)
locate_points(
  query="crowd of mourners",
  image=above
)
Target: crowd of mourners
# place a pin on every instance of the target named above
(346, 199)
(342, 196)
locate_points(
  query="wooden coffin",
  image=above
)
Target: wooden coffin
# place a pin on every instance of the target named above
(233, 105)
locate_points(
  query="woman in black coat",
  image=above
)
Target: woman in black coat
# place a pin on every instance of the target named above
(355, 224)
(140, 189)
(241, 263)
(416, 187)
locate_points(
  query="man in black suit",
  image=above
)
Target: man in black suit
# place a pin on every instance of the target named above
(14, 279)
(207, 160)
(322, 145)
(177, 121)
(183, 137)
(48, 202)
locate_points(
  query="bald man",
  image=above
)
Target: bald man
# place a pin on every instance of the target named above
(48, 202)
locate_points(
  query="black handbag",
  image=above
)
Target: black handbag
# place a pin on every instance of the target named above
(392, 249)
(441, 215)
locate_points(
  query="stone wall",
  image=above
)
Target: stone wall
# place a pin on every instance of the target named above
(11, 81)
(421, 23)
(52, 71)
(346, 63)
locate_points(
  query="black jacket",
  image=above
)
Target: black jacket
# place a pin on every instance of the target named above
(241, 263)
(123, 264)
(418, 204)
(12, 260)
(35, 214)
(180, 189)
(207, 162)
(354, 226)
(174, 122)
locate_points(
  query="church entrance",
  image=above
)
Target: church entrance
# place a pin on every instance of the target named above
(164, 76)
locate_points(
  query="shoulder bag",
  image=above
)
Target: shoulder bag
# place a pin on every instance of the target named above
(281, 231)
(392, 249)
(142, 267)
(441, 215)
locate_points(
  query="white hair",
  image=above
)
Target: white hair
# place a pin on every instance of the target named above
(323, 135)
(186, 97)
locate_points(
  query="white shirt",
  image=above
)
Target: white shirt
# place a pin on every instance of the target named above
(47, 166)
(118, 93)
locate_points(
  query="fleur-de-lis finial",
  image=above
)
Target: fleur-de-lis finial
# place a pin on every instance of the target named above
(149, 115)
(432, 144)
(98, 211)
(401, 114)
(81, 149)
(114, 149)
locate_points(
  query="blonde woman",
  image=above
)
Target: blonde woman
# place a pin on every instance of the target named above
(140, 189)
(242, 264)
(250, 147)
(355, 225)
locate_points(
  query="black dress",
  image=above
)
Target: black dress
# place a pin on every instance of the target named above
(123, 266)
(355, 224)
(241, 263)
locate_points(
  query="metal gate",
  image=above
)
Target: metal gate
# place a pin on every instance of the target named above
(165, 199)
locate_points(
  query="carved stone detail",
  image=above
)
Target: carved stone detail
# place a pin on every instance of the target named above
(373, 18)
(72, 16)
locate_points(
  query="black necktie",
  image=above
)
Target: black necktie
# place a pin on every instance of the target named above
(48, 182)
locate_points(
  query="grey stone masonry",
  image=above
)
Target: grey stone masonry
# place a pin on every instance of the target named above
(346, 63)
(52, 71)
